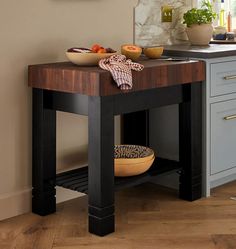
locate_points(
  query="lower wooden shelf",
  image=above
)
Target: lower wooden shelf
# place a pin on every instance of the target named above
(77, 179)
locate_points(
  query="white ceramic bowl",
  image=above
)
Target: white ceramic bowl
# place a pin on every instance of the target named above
(87, 59)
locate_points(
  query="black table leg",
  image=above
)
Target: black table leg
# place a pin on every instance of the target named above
(44, 155)
(101, 166)
(190, 143)
(136, 123)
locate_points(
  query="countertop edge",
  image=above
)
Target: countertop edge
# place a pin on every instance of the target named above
(208, 52)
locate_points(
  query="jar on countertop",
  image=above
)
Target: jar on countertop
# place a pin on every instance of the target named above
(219, 33)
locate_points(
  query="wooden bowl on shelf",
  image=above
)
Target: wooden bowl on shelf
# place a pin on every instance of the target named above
(131, 160)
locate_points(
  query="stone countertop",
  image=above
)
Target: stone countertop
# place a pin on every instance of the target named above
(206, 52)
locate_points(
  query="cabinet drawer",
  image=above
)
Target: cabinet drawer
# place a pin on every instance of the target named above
(223, 136)
(223, 78)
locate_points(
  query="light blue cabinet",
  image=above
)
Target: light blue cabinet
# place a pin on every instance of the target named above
(219, 123)
(219, 114)
(223, 136)
(222, 78)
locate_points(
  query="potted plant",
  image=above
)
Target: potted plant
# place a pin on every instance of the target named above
(199, 23)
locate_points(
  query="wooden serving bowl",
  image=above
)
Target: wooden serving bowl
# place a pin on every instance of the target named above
(131, 160)
(87, 59)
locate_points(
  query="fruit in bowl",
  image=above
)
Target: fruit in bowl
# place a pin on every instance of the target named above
(96, 48)
(88, 57)
(131, 51)
(79, 50)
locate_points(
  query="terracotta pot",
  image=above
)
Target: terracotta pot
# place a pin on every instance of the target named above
(200, 34)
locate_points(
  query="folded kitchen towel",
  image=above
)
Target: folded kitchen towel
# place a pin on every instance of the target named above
(120, 69)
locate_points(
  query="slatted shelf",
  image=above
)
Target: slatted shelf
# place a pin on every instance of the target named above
(77, 179)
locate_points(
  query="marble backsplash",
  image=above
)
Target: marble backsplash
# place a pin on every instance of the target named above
(148, 28)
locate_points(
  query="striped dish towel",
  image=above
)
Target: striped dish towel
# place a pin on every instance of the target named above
(120, 69)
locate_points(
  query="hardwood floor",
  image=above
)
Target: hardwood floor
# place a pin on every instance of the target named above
(147, 216)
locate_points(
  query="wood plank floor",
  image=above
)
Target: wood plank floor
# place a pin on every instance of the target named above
(147, 216)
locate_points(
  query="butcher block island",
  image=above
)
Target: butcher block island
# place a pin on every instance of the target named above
(93, 81)
(91, 91)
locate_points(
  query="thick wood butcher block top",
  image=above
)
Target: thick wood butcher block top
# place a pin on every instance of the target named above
(93, 81)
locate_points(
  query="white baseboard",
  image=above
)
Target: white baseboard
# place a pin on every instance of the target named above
(14, 204)
(217, 182)
(19, 202)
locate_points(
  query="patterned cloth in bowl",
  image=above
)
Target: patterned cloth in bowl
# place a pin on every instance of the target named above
(131, 151)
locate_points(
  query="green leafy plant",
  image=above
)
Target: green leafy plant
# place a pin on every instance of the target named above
(205, 14)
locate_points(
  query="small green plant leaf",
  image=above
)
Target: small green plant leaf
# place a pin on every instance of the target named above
(205, 14)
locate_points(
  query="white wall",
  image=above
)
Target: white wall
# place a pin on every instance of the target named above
(150, 30)
(35, 32)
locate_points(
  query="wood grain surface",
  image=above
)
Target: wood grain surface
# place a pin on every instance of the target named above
(147, 217)
(94, 81)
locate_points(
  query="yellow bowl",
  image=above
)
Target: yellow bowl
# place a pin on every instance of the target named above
(153, 52)
(87, 59)
(131, 160)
